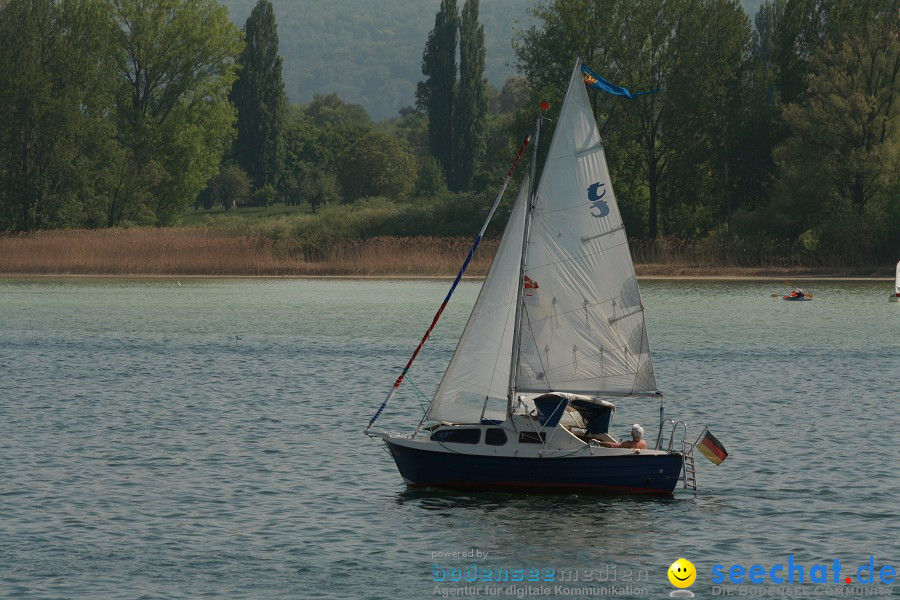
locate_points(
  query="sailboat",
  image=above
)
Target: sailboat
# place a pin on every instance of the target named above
(556, 337)
(896, 296)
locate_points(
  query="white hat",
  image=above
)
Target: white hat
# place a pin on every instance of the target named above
(637, 431)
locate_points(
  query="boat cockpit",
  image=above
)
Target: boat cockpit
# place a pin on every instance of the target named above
(534, 420)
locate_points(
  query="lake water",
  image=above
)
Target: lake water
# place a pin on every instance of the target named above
(203, 438)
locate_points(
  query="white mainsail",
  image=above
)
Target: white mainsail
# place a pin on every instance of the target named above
(479, 368)
(582, 328)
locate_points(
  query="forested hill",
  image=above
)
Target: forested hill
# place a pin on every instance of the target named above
(369, 52)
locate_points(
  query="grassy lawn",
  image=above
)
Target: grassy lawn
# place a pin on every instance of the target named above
(193, 217)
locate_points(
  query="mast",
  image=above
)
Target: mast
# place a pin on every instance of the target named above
(514, 360)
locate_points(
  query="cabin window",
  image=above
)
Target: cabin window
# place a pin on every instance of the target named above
(495, 437)
(457, 436)
(532, 437)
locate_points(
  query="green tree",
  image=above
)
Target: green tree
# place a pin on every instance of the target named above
(265, 196)
(376, 165)
(318, 134)
(632, 44)
(760, 127)
(470, 103)
(513, 95)
(844, 148)
(645, 58)
(308, 183)
(672, 152)
(567, 29)
(55, 92)
(175, 61)
(430, 179)
(434, 96)
(258, 94)
(320, 131)
(705, 97)
(411, 127)
(230, 187)
(799, 29)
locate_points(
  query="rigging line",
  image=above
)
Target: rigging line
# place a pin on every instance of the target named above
(538, 430)
(610, 320)
(637, 309)
(590, 238)
(419, 395)
(537, 351)
(641, 353)
(578, 153)
(497, 358)
(586, 446)
(574, 258)
(588, 356)
(590, 150)
(456, 281)
(382, 445)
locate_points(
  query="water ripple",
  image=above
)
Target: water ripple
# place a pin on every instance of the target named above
(149, 453)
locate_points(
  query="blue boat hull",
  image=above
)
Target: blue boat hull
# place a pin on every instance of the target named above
(625, 474)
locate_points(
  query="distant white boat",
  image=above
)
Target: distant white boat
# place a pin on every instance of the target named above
(896, 296)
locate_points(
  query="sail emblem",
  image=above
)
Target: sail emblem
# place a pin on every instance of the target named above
(597, 201)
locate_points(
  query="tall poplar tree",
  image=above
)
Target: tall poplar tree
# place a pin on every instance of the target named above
(434, 96)
(470, 106)
(259, 96)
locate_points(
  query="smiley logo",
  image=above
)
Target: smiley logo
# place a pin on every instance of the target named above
(682, 573)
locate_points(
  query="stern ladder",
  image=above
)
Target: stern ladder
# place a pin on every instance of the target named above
(688, 467)
(689, 470)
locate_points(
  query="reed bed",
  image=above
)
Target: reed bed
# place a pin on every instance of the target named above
(140, 251)
(202, 251)
(212, 251)
(740, 257)
(720, 253)
(406, 256)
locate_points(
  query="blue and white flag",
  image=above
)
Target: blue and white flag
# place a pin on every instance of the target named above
(594, 80)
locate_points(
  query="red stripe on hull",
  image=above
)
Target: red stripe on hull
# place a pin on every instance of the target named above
(538, 488)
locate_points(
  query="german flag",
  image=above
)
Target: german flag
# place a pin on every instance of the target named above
(711, 447)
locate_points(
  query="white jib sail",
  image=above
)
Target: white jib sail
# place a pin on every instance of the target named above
(582, 328)
(479, 368)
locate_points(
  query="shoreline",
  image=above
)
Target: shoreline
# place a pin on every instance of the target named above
(399, 277)
(173, 253)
